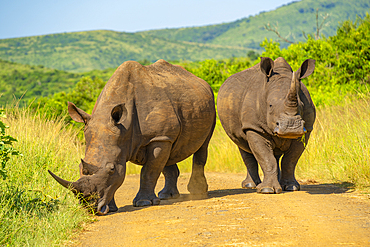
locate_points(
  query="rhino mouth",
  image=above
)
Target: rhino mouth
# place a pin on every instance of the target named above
(290, 135)
(292, 128)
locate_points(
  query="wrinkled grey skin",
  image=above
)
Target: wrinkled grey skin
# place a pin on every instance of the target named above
(266, 110)
(153, 116)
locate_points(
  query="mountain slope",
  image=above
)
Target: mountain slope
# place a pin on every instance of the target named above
(292, 19)
(26, 82)
(85, 51)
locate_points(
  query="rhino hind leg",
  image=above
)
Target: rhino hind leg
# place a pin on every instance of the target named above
(198, 183)
(253, 178)
(170, 191)
(157, 156)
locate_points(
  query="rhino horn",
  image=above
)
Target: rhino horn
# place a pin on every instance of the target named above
(291, 99)
(64, 183)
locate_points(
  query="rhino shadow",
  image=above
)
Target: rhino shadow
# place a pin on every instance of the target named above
(328, 188)
(188, 197)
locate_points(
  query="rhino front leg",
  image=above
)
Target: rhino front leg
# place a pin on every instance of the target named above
(157, 156)
(263, 152)
(253, 178)
(112, 205)
(288, 164)
(170, 191)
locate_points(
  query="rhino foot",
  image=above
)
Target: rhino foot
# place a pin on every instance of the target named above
(112, 206)
(142, 201)
(248, 184)
(166, 193)
(290, 185)
(197, 185)
(263, 188)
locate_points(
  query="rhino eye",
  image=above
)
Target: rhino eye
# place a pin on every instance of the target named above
(111, 168)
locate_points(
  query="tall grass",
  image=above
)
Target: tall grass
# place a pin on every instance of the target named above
(339, 147)
(34, 209)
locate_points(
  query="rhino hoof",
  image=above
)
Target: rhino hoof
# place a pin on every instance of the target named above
(266, 191)
(144, 203)
(165, 196)
(291, 188)
(171, 193)
(249, 186)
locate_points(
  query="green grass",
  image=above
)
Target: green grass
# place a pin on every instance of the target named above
(339, 147)
(34, 209)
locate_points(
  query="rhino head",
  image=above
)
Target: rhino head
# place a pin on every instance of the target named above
(103, 169)
(284, 106)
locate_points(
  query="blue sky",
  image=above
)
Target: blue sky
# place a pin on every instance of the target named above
(20, 18)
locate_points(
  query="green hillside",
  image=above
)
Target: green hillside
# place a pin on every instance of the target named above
(292, 19)
(85, 51)
(26, 82)
(102, 49)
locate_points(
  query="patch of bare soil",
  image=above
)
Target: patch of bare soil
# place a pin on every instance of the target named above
(318, 215)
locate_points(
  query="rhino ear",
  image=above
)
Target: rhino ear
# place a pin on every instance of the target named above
(267, 65)
(77, 114)
(306, 68)
(119, 114)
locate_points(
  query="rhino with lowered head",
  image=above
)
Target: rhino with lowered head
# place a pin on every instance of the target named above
(153, 116)
(266, 110)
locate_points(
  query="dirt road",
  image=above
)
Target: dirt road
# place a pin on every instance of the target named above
(318, 215)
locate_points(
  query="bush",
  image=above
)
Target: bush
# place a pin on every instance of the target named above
(342, 62)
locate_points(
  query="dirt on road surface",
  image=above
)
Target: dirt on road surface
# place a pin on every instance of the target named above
(318, 215)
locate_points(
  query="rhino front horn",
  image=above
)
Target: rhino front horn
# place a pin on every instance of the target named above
(64, 183)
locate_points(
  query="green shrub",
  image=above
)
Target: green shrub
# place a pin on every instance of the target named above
(6, 146)
(342, 62)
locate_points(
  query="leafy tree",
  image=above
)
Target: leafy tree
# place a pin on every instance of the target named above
(342, 61)
(84, 95)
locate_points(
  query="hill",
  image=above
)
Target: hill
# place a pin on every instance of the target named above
(292, 19)
(102, 49)
(26, 82)
(85, 51)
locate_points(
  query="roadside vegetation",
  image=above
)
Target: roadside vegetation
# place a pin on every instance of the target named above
(36, 211)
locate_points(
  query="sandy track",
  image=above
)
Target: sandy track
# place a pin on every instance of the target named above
(318, 215)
